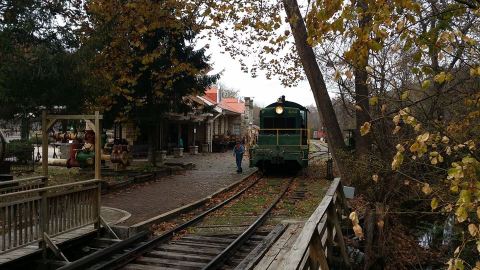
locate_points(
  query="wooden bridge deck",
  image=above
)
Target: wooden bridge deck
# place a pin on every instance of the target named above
(310, 244)
(275, 255)
(33, 248)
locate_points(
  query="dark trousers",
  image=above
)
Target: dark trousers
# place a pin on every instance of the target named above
(238, 159)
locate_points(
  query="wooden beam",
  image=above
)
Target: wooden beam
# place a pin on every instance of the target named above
(74, 117)
(109, 229)
(58, 253)
(44, 144)
(98, 145)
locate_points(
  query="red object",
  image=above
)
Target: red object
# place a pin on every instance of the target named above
(72, 160)
(211, 94)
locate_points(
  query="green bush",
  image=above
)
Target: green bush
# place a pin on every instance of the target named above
(19, 151)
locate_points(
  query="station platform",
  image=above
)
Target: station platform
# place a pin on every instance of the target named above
(213, 171)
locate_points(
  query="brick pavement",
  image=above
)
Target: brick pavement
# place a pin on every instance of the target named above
(213, 171)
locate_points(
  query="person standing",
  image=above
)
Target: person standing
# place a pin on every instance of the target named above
(238, 151)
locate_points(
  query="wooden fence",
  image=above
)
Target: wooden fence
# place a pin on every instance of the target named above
(313, 249)
(32, 215)
(22, 184)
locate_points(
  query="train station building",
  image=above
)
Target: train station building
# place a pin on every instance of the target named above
(212, 124)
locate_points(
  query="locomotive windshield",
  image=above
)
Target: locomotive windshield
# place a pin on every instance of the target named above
(281, 123)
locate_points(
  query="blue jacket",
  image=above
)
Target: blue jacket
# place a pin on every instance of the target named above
(238, 150)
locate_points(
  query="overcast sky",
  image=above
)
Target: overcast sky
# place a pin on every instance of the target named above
(262, 90)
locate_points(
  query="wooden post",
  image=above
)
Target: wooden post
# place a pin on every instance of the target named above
(44, 144)
(43, 220)
(317, 257)
(98, 145)
(98, 207)
(330, 230)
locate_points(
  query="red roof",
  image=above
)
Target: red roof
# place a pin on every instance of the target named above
(233, 104)
(211, 94)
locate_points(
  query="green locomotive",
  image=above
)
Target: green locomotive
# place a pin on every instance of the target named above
(283, 137)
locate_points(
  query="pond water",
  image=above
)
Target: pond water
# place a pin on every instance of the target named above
(435, 234)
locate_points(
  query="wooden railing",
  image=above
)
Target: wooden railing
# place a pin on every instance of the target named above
(313, 248)
(22, 184)
(32, 215)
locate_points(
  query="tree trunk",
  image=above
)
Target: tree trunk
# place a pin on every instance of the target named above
(317, 83)
(362, 143)
(24, 128)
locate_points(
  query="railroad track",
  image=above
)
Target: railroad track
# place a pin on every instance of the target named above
(175, 250)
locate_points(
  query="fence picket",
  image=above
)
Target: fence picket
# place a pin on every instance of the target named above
(24, 215)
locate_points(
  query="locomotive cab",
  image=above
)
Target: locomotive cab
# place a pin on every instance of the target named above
(283, 137)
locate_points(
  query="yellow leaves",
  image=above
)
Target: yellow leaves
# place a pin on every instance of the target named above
(443, 77)
(456, 172)
(478, 212)
(423, 138)
(473, 229)
(426, 189)
(475, 71)
(365, 128)
(396, 130)
(455, 264)
(400, 148)
(435, 157)
(461, 214)
(375, 178)
(400, 26)
(434, 203)
(396, 119)
(405, 95)
(397, 161)
(353, 217)
(373, 101)
(414, 147)
(369, 69)
(426, 84)
(357, 229)
(465, 197)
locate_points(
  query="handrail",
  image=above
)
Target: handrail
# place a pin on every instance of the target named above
(92, 181)
(14, 181)
(33, 215)
(313, 247)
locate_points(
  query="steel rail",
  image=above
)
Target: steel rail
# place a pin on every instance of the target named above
(152, 243)
(217, 262)
(82, 263)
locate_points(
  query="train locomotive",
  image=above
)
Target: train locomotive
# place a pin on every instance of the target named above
(283, 137)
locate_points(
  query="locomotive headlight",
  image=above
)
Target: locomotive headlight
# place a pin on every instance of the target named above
(279, 109)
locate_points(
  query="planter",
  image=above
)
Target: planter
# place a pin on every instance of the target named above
(193, 149)
(177, 152)
(161, 156)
